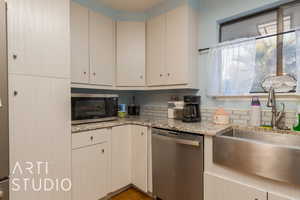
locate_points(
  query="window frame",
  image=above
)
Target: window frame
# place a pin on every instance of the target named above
(280, 29)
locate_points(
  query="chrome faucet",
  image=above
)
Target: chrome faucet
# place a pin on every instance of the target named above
(276, 116)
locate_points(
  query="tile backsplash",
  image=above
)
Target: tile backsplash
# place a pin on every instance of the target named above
(237, 116)
(154, 111)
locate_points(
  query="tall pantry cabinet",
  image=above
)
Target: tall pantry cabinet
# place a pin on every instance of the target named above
(39, 95)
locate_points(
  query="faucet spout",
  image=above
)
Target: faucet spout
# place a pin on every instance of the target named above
(276, 116)
(271, 98)
(272, 104)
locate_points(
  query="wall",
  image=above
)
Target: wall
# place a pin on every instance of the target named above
(115, 14)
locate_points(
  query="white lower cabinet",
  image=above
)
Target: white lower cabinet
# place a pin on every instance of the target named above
(139, 157)
(218, 188)
(150, 181)
(90, 165)
(121, 157)
(107, 160)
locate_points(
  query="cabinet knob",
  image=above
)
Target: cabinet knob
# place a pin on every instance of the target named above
(84, 73)
(16, 93)
(160, 75)
(103, 151)
(15, 56)
(142, 133)
(94, 73)
(141, 77)
(168, 74)
(92, 138)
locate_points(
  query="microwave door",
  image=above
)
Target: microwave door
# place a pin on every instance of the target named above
(88, 108)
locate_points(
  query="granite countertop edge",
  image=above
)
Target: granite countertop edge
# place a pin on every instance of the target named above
(201, 128)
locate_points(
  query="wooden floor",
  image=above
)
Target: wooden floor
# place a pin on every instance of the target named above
(131, 194)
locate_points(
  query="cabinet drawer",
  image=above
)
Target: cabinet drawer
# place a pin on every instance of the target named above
(90, 138)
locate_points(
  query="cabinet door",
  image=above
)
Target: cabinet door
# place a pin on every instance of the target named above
(39, 37)
(89, 172)
(177, 30)
(121, 157)
(102, 49)
(156, 51)
(131, 44)
(272, 196)
(79, 43)
(150, 181)
(139, 157)
(40, 131)
(217, 188)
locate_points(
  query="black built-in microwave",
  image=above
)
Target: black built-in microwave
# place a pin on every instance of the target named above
(89, 108)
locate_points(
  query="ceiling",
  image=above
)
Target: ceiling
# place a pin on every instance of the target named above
(131, 5)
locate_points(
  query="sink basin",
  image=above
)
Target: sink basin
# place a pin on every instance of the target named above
(267, 154)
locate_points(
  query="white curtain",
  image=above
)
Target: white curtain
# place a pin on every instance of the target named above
(231, 68)
(298, 59)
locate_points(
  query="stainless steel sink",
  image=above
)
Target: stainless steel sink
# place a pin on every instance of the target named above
(270, 155)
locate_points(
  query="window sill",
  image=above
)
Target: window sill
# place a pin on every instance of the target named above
(280, 96)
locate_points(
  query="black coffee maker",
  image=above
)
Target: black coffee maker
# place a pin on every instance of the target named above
(191, 110)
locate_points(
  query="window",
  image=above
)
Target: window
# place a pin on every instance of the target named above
(276, 54)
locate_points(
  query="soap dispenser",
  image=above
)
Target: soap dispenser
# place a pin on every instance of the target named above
(255, 113)
(297, 128)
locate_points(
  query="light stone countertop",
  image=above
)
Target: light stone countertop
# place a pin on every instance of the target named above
(202, 128)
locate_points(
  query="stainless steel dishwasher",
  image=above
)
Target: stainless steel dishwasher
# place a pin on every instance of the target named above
(177, 160)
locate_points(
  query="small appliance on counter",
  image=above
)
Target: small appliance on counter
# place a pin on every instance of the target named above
(133, 109)
(87, 108)
(191, 110)
(175, 110)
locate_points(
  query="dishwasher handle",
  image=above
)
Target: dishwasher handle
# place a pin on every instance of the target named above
(194, 143)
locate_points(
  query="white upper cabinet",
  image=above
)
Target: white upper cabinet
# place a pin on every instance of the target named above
(39, 37)
(177, 45)
(92, 47)
(131, 50)
(156, 51)
(102, 49)
(172, 48)
(79, 43)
